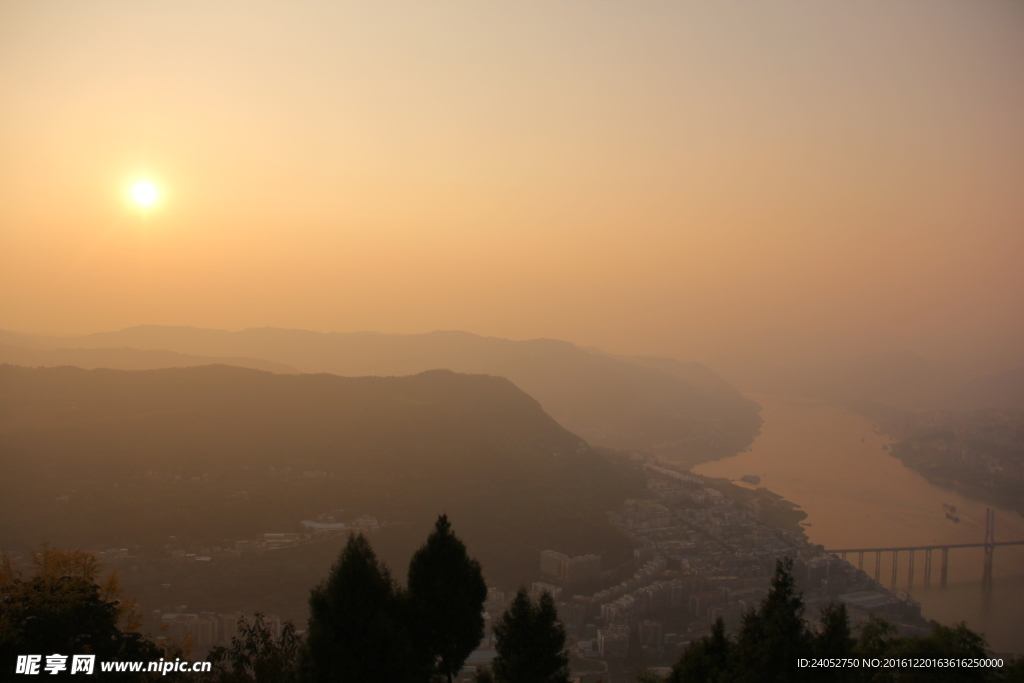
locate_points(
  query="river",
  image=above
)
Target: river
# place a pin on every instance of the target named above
(829, 461)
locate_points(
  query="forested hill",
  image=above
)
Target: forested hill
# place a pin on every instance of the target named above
(678, 410)
(105, 457)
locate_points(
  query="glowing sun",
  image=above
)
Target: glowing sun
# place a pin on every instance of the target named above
(144, 193)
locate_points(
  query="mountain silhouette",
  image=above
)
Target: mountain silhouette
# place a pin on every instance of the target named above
(101, 458)
(682, 411)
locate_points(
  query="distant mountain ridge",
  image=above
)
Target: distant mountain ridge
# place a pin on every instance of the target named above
(695, 374)
(683, 411)
(126, 358)
(903, 381)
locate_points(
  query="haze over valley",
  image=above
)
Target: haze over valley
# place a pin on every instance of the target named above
(675, 335)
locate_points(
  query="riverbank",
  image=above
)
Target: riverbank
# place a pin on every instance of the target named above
(976, 453)
(832, 463)
(771, 508)
(998, 494)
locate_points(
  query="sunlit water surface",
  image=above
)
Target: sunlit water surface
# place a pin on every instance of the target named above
(829, 461)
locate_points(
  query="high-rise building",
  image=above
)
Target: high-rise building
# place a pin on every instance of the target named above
(552, 563)
(570, 569)
(613, 641)
(537, 589)
(228, 627)
(495, 603)
(582, 568)
(206, 631)
(650, 633)
(181, 626)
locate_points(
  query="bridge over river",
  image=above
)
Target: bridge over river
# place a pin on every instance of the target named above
(989, 544)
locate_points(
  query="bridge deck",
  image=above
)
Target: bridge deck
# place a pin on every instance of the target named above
(921, 547)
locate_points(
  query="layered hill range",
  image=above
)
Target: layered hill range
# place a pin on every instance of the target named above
(682, 411)
(215, 454)
(901, 381)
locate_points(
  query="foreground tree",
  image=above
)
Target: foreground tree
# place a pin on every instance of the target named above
(878, 639)
(65, 607)
(358, 624)
(446, 593)
(649, 677)
(835, 639)
(710, 659)
(530, 643)
(256, 656)
(774, 637)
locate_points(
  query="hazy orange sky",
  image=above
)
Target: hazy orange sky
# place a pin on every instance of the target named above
(649, 177)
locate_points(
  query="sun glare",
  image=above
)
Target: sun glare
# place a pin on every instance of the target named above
(144, 193)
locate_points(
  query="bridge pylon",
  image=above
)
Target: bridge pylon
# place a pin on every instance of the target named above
(990, 544)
